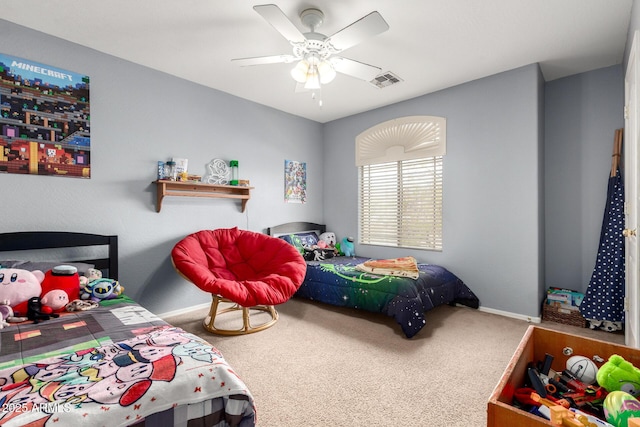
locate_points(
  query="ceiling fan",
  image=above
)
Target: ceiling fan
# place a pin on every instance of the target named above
(315, 53)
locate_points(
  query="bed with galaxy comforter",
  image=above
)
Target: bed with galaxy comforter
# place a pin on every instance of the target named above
(116, 364)
(338, 281)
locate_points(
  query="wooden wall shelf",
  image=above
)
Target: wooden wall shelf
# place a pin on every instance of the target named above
(200, 189)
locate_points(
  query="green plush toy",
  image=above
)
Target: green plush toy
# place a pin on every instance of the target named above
(618, 374)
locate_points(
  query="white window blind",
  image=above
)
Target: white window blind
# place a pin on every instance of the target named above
(400, 182)
(413, 137)
(401, 204)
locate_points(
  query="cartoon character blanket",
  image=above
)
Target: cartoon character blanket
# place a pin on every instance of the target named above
(339, 281)
(116, 365)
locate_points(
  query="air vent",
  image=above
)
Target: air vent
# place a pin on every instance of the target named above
(385, 79)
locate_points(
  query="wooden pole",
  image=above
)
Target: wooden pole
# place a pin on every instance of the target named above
(617, 150)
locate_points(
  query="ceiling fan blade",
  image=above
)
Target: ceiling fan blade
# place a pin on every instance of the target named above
(367, 26)
(354, 68)
(274, 16)
(262, 60)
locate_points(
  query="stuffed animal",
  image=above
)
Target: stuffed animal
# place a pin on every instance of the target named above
(618, 374)
(86, 286)
(619, 407)
(7, 315)
(18, 286)
(101, 289)
(81, 305)
(37, 312)
(323, 249)
(318, 254)
(328, 238)
(347, 247)
(92, 274)
(56, 300)
(62, 279)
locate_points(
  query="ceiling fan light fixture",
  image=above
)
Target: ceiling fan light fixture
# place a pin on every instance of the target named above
(300, 71)
(327, 72)
(313, 71)
(314, 52)
(313, 78)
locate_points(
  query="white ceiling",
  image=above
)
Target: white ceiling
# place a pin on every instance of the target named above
(431, 44)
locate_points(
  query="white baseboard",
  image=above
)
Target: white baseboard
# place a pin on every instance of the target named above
(529, 319)
(184, 310)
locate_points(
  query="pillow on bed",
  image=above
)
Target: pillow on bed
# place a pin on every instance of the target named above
(300, 240)
(44, 266)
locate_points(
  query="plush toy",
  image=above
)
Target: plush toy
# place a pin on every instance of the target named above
(7, 315)
(101, 289)
(323, 249)
(619, 407)
(318, 254)
(17, 286)
(56, 300)
(328, 238)
(60, 285)
(618, 374)
(37, 312)
(81, 305)
(347, 247)
(92, 274)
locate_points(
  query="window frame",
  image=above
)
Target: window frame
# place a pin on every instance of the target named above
(388, 149)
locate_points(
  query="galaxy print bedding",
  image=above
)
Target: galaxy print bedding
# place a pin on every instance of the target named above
(336, 281)
(116, 365)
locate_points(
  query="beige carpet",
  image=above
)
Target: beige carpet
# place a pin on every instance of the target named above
(327, 366)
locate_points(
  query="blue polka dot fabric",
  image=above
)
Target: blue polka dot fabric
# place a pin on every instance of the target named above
(603, 304)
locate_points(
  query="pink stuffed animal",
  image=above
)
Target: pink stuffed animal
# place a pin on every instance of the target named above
(17, 286)
(56, 299)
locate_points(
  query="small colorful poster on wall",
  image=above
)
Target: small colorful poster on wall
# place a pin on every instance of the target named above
(295, 182)
(44, 118)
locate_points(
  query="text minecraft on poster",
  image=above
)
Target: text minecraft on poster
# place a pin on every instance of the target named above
(44, 113)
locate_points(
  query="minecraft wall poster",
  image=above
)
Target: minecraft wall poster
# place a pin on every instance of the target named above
(44, 114)
(295, 181)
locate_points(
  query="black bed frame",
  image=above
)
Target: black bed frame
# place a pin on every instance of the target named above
(296, 227)
(30, 240)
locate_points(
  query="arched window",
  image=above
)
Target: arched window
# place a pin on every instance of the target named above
(400, 182)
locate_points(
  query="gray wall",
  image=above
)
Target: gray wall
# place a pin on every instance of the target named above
(494, 206)
(140, 116)
(492, 184)
(582, 113)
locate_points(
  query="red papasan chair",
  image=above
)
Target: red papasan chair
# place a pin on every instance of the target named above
(251, 270)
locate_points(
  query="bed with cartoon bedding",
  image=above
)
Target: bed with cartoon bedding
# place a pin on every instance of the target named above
(400, 288)
(108, 361)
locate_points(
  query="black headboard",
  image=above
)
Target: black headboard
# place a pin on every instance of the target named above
(295, 227)
(32, 240)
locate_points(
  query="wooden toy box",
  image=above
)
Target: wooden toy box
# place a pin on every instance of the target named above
(535, 344)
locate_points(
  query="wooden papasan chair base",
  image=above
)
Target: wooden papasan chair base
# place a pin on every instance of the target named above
(252, 271)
